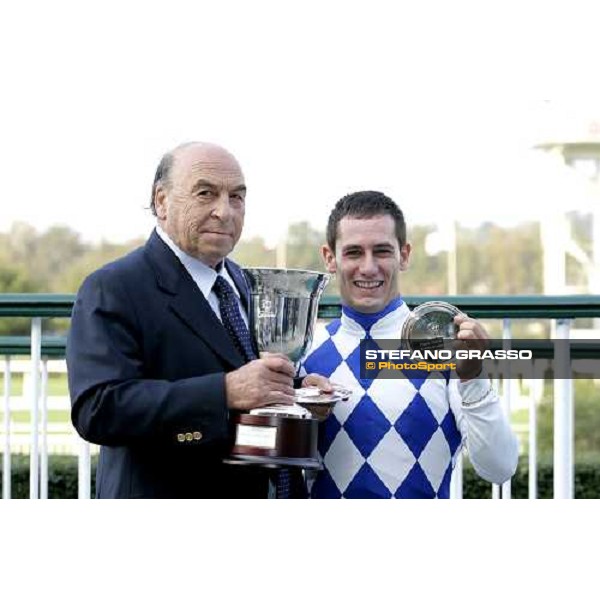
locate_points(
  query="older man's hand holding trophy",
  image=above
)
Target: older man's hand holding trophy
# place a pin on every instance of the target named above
(283, 313)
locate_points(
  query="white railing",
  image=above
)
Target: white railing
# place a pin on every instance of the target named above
(563, 425)
(563, 420)
(6, 470)
(38, 402)
(36, 397)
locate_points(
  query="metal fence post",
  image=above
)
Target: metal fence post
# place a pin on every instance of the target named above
(36, 352)
(506, 336)
(44, 448)
(563, 414)
(6, 466)
(537, 392)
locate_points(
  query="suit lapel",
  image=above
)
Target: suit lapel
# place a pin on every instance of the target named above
(188, 302)
(192, 308)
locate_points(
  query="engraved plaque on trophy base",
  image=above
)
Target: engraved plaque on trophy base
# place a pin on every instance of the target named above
(275, 441)
(284, 435)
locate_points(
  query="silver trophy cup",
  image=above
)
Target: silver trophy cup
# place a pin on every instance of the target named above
(283, 309)
(282, 317)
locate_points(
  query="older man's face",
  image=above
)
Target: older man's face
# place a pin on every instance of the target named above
(202, 210)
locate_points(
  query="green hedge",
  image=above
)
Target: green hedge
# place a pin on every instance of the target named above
(587, 480)
(62, 478)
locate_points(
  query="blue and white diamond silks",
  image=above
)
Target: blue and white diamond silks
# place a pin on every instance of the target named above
(393, 438)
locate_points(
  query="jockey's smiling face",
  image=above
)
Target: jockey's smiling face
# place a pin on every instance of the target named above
(367, 261)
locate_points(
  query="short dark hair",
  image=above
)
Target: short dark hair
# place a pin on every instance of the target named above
(364, 205)
(161, 177)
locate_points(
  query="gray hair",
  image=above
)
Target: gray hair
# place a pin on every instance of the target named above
(162, 176)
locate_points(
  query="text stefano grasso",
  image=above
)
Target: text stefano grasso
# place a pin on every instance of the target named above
(437, 355)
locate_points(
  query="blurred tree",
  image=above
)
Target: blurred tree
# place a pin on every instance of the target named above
(40, 258)
(491, 259)
(68, 280)
(303, 247)
(14, 281)
(19, 243)
(253, 253)
(497, 260)
(426, 275)
(56, 249)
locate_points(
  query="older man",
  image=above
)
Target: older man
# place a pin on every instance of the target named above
(159, 351)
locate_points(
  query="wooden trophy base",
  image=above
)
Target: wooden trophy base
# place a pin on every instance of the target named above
(274, 441)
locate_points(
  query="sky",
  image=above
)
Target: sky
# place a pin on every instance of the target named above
(438, 104)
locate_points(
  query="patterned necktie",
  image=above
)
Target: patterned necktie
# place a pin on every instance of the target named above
(237, 330)
(232, 318)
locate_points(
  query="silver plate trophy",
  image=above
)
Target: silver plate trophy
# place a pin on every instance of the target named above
(282, 316)
(430, 326)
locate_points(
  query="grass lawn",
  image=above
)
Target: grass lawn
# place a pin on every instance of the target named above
(57, 384)
(24, 416)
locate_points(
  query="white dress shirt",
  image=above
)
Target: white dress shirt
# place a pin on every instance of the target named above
(203, 275)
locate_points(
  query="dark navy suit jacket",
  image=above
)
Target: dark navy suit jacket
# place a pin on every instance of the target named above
(147, 359)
